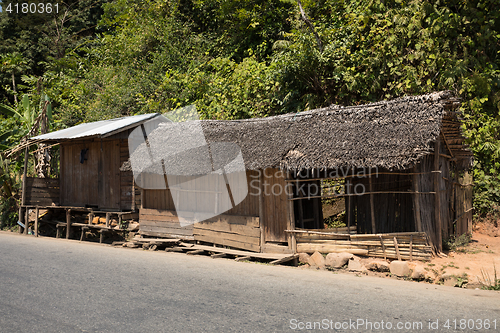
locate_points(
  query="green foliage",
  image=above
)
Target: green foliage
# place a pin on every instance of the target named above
(457, 243)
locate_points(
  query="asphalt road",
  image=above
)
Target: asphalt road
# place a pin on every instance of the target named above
(49, 285)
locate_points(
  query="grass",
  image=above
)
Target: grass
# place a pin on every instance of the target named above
(457, 244)
(488, 283)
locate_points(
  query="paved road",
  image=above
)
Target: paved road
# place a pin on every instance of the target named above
(49, 285)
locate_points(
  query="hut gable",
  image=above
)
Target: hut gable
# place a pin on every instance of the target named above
(391, 135)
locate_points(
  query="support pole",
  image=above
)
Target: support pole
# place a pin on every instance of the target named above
(416, 199)
(68, 223)
(372, 208)
(349, 207)
(23, 191)
(36, 221)
(292, 242)
(437, 202)
(261, 209)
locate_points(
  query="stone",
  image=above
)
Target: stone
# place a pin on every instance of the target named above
(304, 258)
(356, 266)
(317, 260)
(449, 280)
(338, 260)
(378, 266)
(418, 273)
(400, 268)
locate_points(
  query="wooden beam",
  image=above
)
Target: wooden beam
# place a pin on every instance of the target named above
(383, 246)
(292, 242)
(23, 193)
(261, 209)
(26, 221)
(68, 223)
(437, 201)
(243, 258)
(416, 200)
(36, 221)
(372, 207)
(397, 248)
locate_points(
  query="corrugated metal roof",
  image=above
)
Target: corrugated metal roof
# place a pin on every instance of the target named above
(100, 129)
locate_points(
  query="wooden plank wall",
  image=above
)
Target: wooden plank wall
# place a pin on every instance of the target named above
(196, 201)
(240, 232)
(275, 208)
(162, 223)
(42, 191)
(127, 187)
(97, 180)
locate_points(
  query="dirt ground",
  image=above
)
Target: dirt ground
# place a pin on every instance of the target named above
(478, 260)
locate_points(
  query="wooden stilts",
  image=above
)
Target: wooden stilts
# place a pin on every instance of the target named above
(21, 219)
(26, 220)
(68, 223)
(23, 191)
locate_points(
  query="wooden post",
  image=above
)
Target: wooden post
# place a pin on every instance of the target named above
(23, 191)
(383, 246)
(36, 221)
(397, 248)
(261, 210)
(21, 219)
(68, 223)
(416, 199)
(372, 208)
(292, 242)
(411, 247)
(437, 202)
(26, 220)
(349, 207)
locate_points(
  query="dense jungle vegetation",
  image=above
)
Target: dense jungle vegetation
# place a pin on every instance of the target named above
(99, 59)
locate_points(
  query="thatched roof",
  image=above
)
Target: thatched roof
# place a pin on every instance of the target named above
(390, 135)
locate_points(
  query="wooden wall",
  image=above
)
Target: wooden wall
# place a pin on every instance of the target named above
(98, 181)
(42, 191)
(275, 206)
(242, 232)
(197, 201)
(162, 223)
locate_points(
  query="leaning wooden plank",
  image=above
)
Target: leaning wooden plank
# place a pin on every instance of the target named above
(235, 252)
(218, 255)
(230, 228)
(196, 252)
(285, 259)
(162, 234)
(223, 235)
(228, 242)
(243, 258)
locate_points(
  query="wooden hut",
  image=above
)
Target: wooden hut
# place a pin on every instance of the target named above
(400, 165)
(90, 180)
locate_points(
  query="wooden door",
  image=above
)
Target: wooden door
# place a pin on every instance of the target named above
(275, 202)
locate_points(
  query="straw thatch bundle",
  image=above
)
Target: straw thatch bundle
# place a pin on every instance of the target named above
(390, 135)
